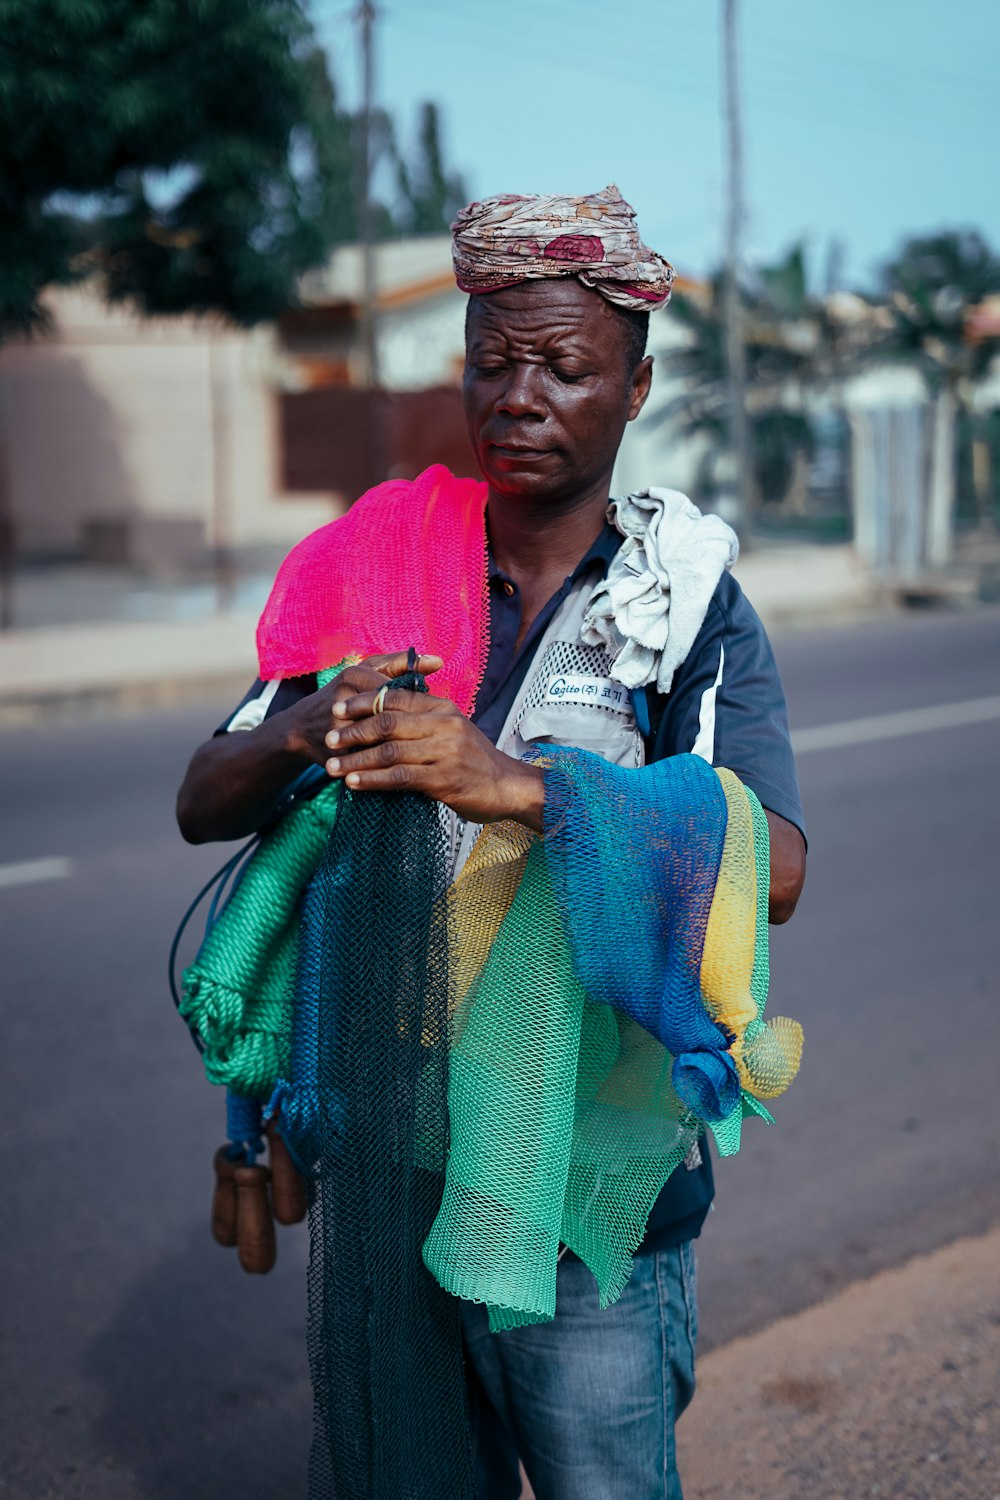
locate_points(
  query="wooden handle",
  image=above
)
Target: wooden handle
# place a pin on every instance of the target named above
(288, 1191)
(224, 1199)
(258, 1250)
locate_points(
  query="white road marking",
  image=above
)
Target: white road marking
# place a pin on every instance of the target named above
(33, 871)
(894, 726)
(819, 737)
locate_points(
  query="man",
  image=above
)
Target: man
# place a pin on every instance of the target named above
(555, 369)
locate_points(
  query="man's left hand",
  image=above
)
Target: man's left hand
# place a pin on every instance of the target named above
(419, 743)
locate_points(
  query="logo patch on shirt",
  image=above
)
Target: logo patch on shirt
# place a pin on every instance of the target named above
(597, 692)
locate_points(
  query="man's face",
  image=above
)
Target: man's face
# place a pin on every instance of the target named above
(548, 388)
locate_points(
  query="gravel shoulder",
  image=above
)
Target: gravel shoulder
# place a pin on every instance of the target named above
(888, 1389)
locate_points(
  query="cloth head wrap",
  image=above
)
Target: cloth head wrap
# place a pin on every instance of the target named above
(593, 237)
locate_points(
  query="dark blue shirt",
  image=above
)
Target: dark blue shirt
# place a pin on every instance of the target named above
(507, 667)
(725, 702)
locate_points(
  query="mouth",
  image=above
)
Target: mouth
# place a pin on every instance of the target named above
(515, 451)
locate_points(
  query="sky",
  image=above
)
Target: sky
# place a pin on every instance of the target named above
(864, 120)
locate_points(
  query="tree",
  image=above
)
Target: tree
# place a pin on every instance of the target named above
(430, 197)
(189, 155)
(190, 151)
(793, 345)
(931, 288)
(930, 310)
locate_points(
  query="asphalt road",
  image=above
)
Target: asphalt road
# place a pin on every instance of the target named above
(136, 1360)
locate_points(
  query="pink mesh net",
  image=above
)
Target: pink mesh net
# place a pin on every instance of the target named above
(330, 598)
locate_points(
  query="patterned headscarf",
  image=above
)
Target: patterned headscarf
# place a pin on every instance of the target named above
(593, 237)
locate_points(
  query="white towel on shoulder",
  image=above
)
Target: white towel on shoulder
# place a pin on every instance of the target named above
(654, 599)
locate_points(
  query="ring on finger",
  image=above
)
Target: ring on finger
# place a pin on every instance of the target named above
(379, 703)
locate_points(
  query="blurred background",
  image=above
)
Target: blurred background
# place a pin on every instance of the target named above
(226, 309)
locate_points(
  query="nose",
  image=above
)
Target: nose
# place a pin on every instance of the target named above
(521, 396)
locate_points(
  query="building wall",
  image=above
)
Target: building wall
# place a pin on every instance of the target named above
(423, 344)
(110, 424)
(154, 439)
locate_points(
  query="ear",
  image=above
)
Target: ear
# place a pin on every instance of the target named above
(642, 379)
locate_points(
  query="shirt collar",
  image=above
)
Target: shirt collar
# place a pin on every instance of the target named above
(602, 550)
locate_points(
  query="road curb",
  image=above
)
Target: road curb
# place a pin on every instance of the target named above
(22, 710)
(23, 705)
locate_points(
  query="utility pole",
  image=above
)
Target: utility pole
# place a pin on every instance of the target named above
(369, 291)
(735, 344)
(219, 394)
(8, 549)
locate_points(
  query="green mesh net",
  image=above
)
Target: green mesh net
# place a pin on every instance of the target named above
(585, 1127)
(237, 992)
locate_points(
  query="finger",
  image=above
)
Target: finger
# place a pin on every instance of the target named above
(402, 778)
(389, 754)
(371, 729)
(361, 705)
(395, 663)
(356, 680)
(374, 670)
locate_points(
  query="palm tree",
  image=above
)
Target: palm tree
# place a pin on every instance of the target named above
(932, 289)
(795, 344)
(928, 312)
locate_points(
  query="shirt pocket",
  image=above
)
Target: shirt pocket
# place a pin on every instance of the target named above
(613, 736)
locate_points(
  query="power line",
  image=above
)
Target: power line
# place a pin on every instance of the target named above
(480, 29)
(577, 17)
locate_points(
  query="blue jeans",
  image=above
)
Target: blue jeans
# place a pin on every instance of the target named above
(589, 1401)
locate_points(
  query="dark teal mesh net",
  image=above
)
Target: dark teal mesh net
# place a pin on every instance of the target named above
(384, 1338)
